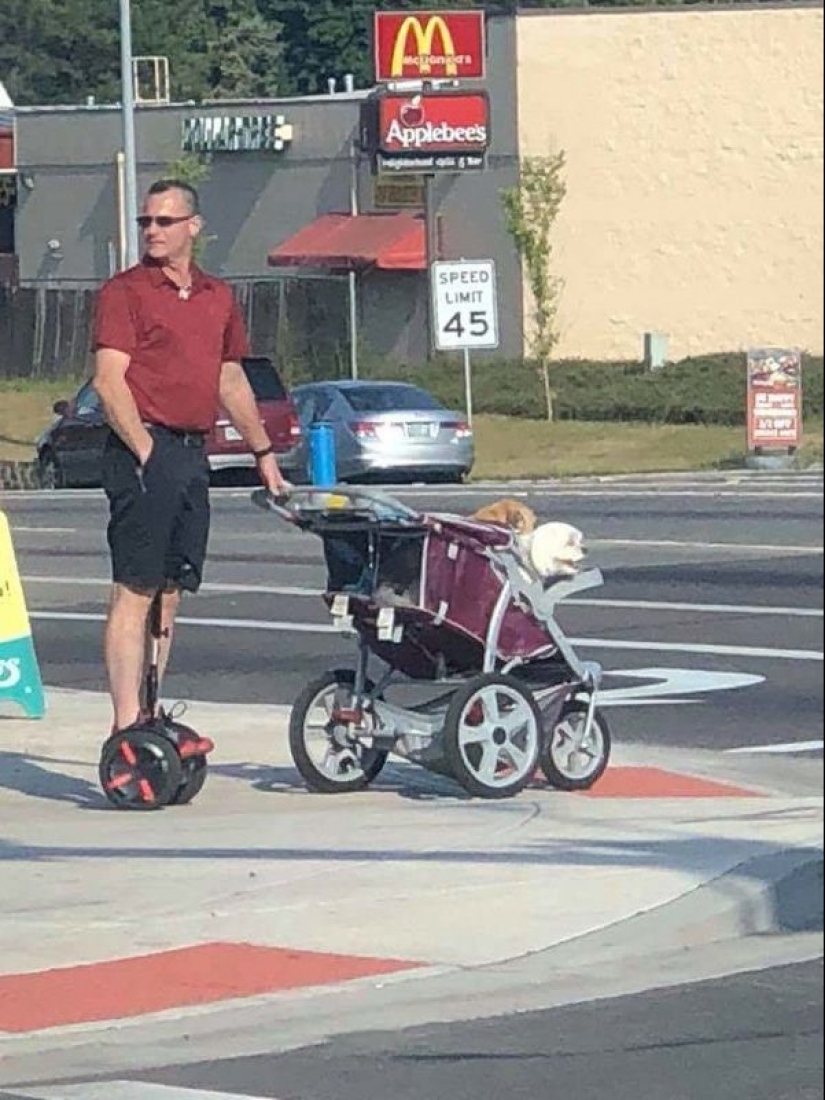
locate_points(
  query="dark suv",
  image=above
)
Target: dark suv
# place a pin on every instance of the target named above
(69, 452)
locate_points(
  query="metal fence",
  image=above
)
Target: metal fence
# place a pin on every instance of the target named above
(301, 323)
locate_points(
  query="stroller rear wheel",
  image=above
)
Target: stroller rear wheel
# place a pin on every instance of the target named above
(574, 758)
(325, 736)
(140, 769)
(492, 736)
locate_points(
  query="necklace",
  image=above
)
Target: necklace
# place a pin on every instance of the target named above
(185, 293)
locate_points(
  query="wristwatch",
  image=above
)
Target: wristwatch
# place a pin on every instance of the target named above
(258, 455)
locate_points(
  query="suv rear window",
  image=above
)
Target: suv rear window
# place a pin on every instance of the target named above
(264, 379)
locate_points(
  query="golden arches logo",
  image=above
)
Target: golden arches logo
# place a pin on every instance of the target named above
(424, 38)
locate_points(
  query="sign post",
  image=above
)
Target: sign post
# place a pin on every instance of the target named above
(465, 309)
(19, 672)
(774, 400)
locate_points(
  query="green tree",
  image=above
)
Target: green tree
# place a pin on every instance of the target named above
(220, 50)
(246, 56)
(58, 51)
(530, 212)
(62, 51)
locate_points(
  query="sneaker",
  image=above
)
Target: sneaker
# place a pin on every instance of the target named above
(195, 746)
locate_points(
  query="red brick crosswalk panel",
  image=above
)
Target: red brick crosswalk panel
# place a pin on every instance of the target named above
(188, 977)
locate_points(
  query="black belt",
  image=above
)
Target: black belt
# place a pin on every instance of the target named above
(182, 435)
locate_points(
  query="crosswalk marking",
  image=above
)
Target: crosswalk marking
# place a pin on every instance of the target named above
(127, 1090)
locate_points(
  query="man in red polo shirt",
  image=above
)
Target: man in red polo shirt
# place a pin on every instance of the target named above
(168, 343)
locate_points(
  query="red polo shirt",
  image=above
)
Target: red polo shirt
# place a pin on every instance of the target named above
(176, 346)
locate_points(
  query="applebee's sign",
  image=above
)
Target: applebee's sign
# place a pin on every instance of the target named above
(433, 132)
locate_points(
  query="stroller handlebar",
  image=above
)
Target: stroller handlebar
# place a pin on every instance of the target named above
(308, 507)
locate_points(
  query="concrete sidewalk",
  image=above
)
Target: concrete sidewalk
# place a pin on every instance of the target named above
(260, 888)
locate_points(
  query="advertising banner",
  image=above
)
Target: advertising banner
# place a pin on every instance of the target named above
(429, 45)
(19, 672)
(774, 398)
(428, 133)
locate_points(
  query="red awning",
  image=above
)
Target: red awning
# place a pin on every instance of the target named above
(343, 242)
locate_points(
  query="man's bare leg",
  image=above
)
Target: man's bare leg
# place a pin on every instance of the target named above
(125, 650)
(170, 605)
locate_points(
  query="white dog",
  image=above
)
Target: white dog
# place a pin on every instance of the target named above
(554, 549)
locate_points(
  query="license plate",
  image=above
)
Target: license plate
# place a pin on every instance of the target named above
(232, 435)
(420, 431)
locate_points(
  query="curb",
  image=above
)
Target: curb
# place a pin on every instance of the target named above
(775, 894)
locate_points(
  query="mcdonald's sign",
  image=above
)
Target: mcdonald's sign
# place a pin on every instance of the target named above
(429, 45)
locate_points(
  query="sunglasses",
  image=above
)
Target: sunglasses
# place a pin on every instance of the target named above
(163, 221)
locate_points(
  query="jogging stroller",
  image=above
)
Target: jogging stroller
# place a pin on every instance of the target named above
(454, 606)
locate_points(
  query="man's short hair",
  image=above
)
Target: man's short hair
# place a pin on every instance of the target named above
(160, 187)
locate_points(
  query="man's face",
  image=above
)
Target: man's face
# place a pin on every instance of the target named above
(170, 235)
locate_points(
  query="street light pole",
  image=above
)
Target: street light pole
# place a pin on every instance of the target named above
(130, 159)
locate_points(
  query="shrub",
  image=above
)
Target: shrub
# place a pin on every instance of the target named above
(709, 389)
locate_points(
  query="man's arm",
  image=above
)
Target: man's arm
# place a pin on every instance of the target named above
(118, 402)
(239, 401)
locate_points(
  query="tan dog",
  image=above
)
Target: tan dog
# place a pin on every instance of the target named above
(508, 513)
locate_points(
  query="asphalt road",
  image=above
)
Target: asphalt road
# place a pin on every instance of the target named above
(754, 1036)
(751, 1036)
(712, 603)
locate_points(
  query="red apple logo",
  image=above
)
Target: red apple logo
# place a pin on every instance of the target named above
(412, 113)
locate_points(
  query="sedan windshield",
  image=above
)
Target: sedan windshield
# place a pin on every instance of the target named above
(377, 399)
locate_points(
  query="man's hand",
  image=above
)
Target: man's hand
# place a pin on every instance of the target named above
(144, 452)
(272, 478)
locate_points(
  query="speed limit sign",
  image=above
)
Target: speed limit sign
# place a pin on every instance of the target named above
(465, 305)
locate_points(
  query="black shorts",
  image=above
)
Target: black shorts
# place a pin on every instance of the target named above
(159, 516)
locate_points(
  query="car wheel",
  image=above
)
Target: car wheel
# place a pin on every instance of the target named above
(50, 472)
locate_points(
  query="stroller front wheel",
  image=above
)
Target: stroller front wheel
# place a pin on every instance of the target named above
(325, 736)
(573, 758)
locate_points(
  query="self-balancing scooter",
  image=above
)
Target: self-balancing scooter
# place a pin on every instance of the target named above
(158, 761)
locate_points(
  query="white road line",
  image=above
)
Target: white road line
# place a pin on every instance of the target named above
(713, 650)
(673, 544)
(702, 608)
(239, 589)
(316, 593)
(594, 643)
(788, 749)
(225, 624)
(16, 530)
(126, 1090)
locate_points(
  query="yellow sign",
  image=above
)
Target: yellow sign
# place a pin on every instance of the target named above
(14, 619)
(424, 38)
(20, 680)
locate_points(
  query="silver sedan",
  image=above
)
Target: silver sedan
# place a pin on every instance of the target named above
(387, 431)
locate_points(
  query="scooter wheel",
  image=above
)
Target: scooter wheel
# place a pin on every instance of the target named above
(194, 768)
(140, 769)
(194, 777)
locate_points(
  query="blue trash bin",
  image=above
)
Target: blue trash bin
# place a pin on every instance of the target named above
(322, 469)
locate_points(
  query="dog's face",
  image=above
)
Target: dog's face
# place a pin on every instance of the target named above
(556, 549)
(508, 513)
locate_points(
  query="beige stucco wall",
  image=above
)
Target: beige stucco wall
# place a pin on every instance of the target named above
(695, 174)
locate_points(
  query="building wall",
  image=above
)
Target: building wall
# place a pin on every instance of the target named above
(695, 173)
